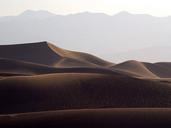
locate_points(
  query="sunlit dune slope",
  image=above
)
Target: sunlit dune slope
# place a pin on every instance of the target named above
(144, 70)
(134, 68)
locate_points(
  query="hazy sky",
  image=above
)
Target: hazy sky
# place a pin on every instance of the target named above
(153, 7)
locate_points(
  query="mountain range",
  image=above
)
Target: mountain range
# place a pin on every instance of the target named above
(123, 36)
(44, 85)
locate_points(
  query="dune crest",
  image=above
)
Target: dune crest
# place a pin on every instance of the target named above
(48, 54)
(135, 68)
(79, 56)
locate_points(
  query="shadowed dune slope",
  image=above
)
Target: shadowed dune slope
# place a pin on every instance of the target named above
(165, 64)
(162, 69)
(33, 52)
(85, 90)
(9, 67)
(134, 68)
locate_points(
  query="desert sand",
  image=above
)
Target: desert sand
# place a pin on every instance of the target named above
(88, 118)
(43, 85)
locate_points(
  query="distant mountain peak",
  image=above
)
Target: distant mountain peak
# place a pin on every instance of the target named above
(87, 13)
(123, 13)
(26, 12)
(37, 13)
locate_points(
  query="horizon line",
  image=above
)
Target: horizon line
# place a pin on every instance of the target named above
(81, 12)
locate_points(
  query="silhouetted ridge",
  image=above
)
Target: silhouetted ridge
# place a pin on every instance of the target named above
(32, 52)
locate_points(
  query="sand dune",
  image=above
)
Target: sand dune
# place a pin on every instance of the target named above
(48, 54)
(165, 64)
(100, 118)
(162, 69)
(144, 69)
(40, 77)
(33, 52)
(134, 68)
(44, 58)
(9, 67)
(88, 118)
(85, 90)
(82, 57)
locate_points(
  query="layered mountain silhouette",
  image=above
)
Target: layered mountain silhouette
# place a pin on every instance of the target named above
(42, 77)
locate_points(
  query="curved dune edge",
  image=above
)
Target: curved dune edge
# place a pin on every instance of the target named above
(82, 57)
(144, 70)
(11, 67)
(120, 117)
(135, 67)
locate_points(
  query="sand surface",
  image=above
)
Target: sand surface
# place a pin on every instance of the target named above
(43, 85)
